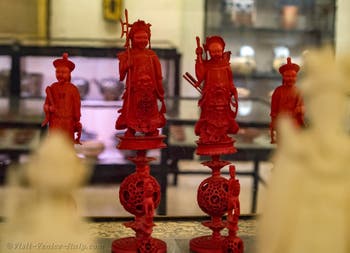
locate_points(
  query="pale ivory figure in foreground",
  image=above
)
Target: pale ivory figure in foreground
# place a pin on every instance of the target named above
(307, 208)
(48, 220)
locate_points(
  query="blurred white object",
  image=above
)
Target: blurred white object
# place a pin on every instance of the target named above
(46, 219)
(247, 51)
(243, 12)
(281, 53)
(307, 208)
(244, 63)
(245, 108)
(246, 6)
(243, 92)
(90, 148)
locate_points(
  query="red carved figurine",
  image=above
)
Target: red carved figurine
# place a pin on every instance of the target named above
(217, 118)
(286, 99)
(139, 192)
(62, 103)
(142, 70)
(219, 107)
(232, 242)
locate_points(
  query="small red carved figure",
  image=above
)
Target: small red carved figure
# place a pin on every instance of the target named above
(286, 99)
(143, 224)
(62, 103)
(217, 118)
(148, 202)
(142, 70)
(233, 212)
(232, 243)
(219, 107)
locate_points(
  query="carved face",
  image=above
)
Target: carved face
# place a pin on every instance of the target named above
(63, 74)
(289, 77)
(140, 40)
(215, 50)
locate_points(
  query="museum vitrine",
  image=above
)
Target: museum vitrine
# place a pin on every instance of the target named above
(262, 34)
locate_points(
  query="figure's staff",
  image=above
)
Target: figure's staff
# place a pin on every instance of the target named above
(125, 30)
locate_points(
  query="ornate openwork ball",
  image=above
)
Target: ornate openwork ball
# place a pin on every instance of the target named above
(131, 193)
(212, 196)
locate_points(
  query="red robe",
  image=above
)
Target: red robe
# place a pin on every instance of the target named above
(286, 100)
(66, 103)
(143, 90)
(217, 119)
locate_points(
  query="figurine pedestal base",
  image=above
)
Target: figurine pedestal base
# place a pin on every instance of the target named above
(206, 244)
(129, 245)
(211, 149)
(141, 142)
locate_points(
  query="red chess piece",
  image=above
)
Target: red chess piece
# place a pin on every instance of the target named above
(286, 99)
(219, 107)
(62, 103)
(140, 192)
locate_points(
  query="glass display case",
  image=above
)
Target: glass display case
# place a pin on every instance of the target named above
(262, 34)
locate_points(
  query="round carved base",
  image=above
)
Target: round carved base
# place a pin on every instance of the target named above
(210, 149)
(129, 245)
(141, 142)
(233, 244)
(206, 244)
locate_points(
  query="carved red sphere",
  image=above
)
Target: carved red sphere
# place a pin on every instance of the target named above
(212, 196)
(131, 193)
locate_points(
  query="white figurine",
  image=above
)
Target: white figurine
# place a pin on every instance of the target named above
(48, 221)
(307, 208)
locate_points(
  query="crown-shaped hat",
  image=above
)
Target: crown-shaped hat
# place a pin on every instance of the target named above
(140, 25)
(213, 39)
(289, 66)
(64, 62)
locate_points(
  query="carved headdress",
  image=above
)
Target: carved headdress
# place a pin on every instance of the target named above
(289, 66)
(216, 39)
(140, 25)
(64, 62)
(213, 39)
